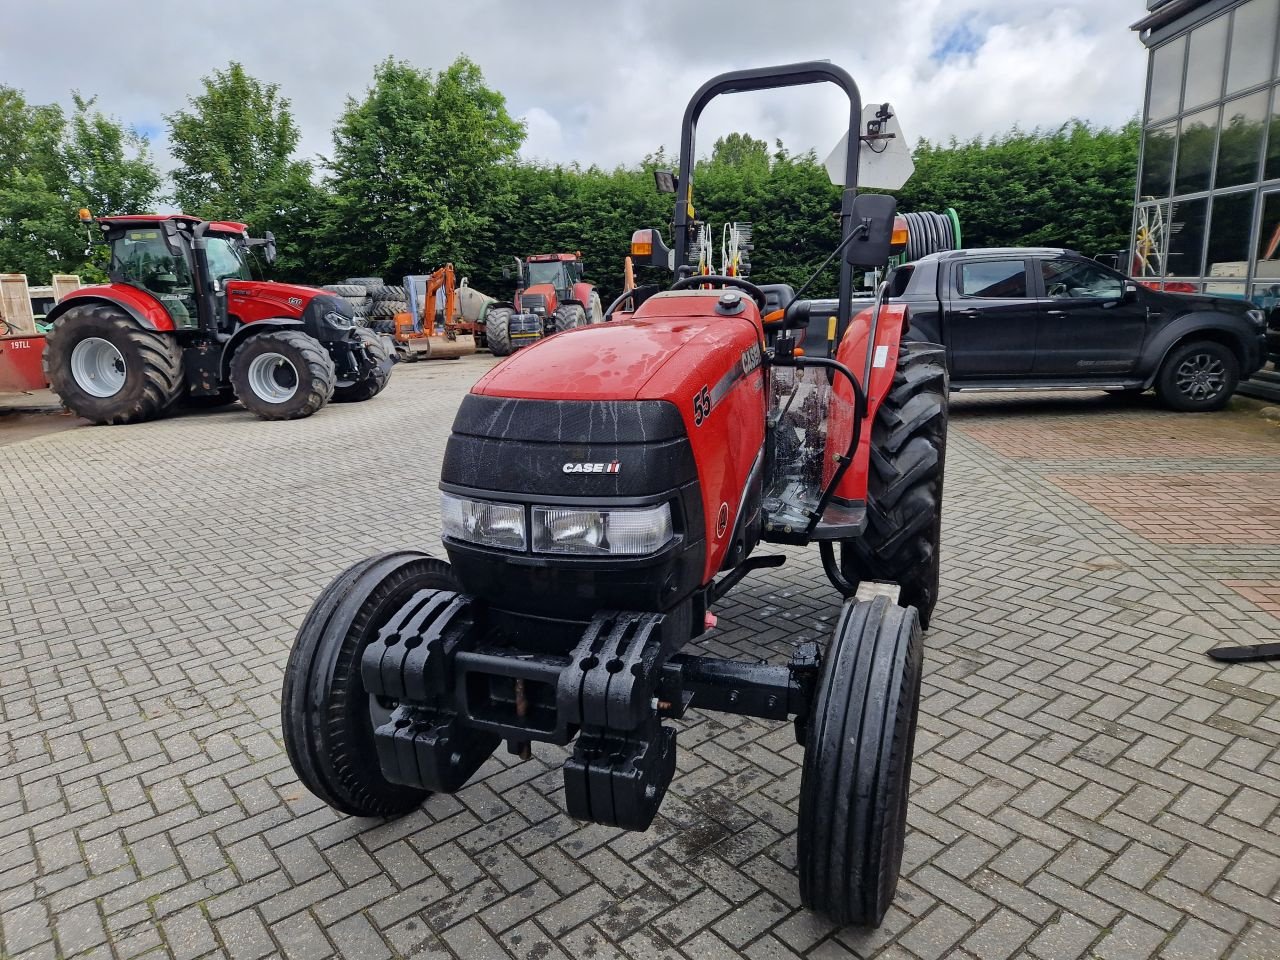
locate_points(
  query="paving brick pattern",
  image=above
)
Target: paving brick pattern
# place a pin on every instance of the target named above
(1086, 783)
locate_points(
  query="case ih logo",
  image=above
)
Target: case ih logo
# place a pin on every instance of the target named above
(613, 467)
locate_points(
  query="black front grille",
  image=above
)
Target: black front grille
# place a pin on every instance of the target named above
(533, 301)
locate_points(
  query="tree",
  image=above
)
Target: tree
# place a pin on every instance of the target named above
(421, 170)
(49, 168)
(740, 150)
(235, 146)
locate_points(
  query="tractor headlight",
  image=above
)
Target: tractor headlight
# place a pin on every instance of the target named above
(483, 522)
(601, 532)
(339, 321)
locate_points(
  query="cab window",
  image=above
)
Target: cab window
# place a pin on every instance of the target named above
(225, 260)
(993, 279)
(1079, 280)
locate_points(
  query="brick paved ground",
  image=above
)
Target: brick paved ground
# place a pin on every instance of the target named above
(1087, 783)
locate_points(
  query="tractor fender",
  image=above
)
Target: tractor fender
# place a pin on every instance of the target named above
(143, 308)
(1232, 332)
(247, 330)
(581, 293)
(852, 352)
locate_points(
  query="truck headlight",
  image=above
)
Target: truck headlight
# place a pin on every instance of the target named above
(628, 532)
(482, 521)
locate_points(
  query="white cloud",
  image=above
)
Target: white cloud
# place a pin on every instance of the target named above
(607, 83)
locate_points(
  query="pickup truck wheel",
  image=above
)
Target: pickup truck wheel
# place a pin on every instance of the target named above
(904, 488)
(1197, 377)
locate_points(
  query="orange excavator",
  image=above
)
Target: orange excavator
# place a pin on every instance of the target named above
(418, 334)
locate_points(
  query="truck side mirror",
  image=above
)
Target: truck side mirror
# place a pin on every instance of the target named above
(269, 248)
(873, 217)
(1130, 292)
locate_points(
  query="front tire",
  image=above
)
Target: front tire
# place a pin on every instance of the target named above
(359, 390)
(324, 708)
(1198, 377)
(855, 783)
(108, 369)
(902, 542)
(282, 375)
(570, 316)
(497, 331)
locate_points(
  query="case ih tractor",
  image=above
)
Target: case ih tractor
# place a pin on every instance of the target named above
(600, 493)
(551, 296)
(182, 318)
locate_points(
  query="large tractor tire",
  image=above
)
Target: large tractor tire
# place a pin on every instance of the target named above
(345, 289)
(856, 778)
(107, 368)
(282, 375)
(327, 715)
(382, 325)
(570, 316)
(355, 391)
(1198, 377)
(497, 330)
(904, 490)
(595, 309)
(388, 308)
(381, 291)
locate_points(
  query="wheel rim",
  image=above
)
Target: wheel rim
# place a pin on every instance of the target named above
(1201, 376)
(98, 367)
(273, 377)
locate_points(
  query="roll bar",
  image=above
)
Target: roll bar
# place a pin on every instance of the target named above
(769, 78)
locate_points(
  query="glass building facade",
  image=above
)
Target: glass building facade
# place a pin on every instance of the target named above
(1207, 213)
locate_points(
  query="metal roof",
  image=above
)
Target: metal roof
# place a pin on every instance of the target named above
(1161, 13)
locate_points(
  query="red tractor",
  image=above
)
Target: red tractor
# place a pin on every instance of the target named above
(182, 318)
(551, 296)
(600, 493)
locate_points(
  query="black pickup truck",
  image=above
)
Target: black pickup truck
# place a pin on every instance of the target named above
(1018, 318)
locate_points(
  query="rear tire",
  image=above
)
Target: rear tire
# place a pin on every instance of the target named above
(569, 316)
(497, 331)
(856, 779)
(388, 308)
(107, 368)
(378, 378)
(902, 542)
(595, 309)
(324, 708)
(381, 291)
(1198, 377)
(348, 290)
(283, 375)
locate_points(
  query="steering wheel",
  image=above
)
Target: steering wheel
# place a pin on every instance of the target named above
(713, 280)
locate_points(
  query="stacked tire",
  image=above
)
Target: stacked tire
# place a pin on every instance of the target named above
(386, 301)
(356, 295)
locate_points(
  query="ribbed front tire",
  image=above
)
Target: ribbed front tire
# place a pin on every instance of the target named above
(497, 331)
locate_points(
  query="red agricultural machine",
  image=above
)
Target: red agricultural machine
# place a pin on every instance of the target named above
(600, 493)
(551, 296)
(182, 318)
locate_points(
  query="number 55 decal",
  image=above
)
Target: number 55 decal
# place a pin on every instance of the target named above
(701, 406)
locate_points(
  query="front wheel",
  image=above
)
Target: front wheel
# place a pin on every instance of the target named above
(282, 375)
(1198, 377)
(326, 713)
(856, 778)
(497, 330)
(569, 316)
(376, 379)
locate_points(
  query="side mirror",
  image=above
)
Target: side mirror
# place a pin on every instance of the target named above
(269, 248)
(1130, 292)
(873, 217)
(665, 181)
(506, 273)
(648, 249)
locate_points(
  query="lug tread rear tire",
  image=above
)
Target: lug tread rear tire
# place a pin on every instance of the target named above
(388, 308)
(497, 331)
(317, 376)
(569, 316)
(856, 778)
(324, 707)
(904, 489)
(345, 289)
(382, 291)
(378, 378)
(153, 364)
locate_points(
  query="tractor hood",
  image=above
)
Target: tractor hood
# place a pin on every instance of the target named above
(289, 298)
(543, 292)
(655, 355)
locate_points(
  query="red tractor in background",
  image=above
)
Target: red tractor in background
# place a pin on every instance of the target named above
(551, 296)
(182, 318)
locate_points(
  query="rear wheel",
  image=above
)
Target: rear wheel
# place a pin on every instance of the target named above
(325, 709)
(284, 375)
(856, 778)
(569, 316)
(107, 368)
(904, 489)
(595, 310)
(1198, 377)
(357, 390)
(497, 330)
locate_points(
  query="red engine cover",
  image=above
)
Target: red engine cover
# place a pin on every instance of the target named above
(250, 300)
(675, 348)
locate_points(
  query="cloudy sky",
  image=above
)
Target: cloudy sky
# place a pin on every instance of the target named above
(603, 82)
